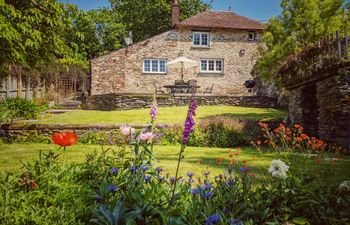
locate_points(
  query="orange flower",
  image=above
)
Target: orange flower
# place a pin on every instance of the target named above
(299, 139)
(230, 155)
(304, 136)
(232, 162)
(263, 125)
(64, 139)
(238, 149)
(244, 161)
(287, 138)
(236, 153)
(34, 185)
(318, 161)
(258, 142)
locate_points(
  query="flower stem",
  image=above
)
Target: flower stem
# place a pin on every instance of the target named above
(177, 171)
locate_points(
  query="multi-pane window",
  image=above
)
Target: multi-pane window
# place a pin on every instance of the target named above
(212, 66)
(200, 39)
(154, 66)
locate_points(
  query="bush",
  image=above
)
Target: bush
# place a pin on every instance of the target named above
(18, 108)
(214, 131)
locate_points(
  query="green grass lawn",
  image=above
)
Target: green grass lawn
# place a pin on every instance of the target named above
(197, 159)
(165, 115)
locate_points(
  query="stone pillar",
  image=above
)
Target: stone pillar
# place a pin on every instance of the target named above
(294, 107)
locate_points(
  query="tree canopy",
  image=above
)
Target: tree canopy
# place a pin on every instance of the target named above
(40, 35)
(301, 23)
(146, 18)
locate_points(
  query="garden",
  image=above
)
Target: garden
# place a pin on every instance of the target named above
(183, 175)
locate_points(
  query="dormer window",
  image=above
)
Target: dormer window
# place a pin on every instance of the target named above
(251, 36)
(200, 39)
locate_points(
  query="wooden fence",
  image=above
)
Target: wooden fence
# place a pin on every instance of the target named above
(21, 86)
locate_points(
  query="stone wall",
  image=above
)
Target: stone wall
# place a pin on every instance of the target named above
(323, 108)
(122, 71)
(124, 102)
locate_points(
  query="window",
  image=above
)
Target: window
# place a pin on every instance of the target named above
(251, 36)
(212, 66)
(154, 66)
(200, 39)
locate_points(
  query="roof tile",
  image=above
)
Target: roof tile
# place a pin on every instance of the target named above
(221, 19)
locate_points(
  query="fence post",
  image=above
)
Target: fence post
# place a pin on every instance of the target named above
(340, 54)
(9, 87)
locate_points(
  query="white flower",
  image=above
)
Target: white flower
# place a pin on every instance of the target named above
(127, 130)
(278, 168)
(345, 185)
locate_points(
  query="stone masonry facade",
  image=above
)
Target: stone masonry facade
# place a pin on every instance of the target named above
(121, 71)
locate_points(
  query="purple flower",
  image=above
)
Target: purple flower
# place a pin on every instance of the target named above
(126, 130)
(206, 174)
(154, 110)
(229, 182)
(206, 186)
(207, 195)
(98, 198)
(112, 187)
(236, 221)
(144, 168)
(190, 122)
(212, 219)
(133, 169)
(190, 174)
(114, 171)
(172, 179)
(195, 191)
(160, 178)
(244, 169)
(159, 169)
(147, 178)
(145, 137)
(190, 180)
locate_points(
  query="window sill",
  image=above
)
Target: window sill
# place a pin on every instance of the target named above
(154, 73)
(200, 47)
(209, 74)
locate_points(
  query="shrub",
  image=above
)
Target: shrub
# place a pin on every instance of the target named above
(214, 131)
(18, 108)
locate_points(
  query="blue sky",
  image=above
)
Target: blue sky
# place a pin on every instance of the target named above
(256, 9)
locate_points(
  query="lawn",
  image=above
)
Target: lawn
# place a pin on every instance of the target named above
(197, 159)
(165, 115)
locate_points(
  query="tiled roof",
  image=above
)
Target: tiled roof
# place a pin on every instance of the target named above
(221, 19)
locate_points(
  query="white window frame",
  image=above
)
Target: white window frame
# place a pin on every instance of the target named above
(151, 68)
(254, 36)
(215, 66)
(201, 39)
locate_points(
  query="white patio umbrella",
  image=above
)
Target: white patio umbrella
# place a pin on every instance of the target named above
(182, 63)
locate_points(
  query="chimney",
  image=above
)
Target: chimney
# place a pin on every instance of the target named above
(175, 13)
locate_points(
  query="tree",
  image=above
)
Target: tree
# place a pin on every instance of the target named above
(146, 18)
(301, 23)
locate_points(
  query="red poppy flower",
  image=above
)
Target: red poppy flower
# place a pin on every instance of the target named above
(34, 185)
(65, 139)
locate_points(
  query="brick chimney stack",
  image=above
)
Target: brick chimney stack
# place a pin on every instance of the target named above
(175, 13)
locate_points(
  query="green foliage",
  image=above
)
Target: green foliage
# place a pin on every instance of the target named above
(214, 131)
(302, 22)
(46, 193)
(148, 18)
(18, 108)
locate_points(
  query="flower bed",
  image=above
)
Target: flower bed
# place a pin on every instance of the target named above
(126, 188)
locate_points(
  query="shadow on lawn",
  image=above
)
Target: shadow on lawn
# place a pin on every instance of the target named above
(268, 115)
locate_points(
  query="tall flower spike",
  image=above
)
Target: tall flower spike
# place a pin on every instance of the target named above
(154, 109)
(190, 122)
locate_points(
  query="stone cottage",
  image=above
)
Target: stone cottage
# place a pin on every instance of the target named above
(223, 43)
